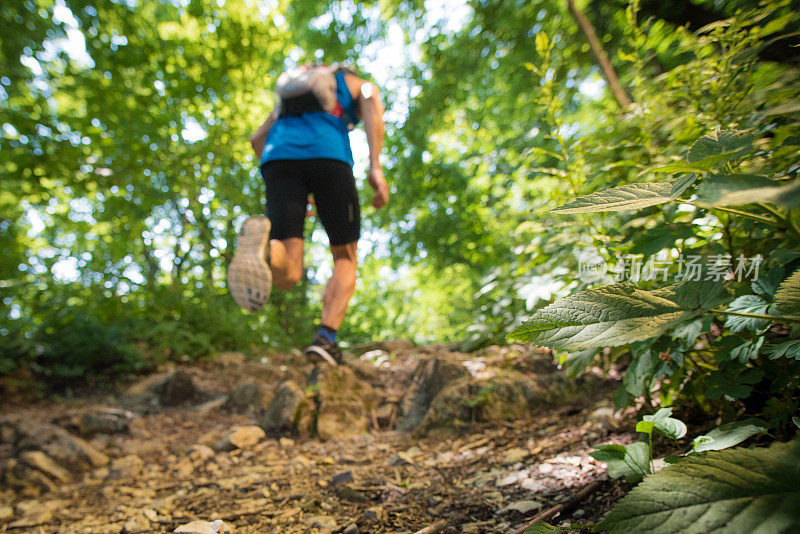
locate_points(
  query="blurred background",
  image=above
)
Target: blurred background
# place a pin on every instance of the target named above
(126, 171)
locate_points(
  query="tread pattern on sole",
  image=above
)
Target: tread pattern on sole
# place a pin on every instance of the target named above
(249, 276)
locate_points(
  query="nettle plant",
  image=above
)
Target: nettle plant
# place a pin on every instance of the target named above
(714, 335)
(705, 489)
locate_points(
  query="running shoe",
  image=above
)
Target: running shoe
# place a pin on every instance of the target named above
(249, 276)
(325, 350)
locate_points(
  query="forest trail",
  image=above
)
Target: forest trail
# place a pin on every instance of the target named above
(406, 438)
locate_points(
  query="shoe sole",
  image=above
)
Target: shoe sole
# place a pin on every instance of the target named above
(249, 275)
(322, 353)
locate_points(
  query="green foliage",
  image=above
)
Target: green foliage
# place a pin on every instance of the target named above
(483, 397)
(628, 197)
(718, 491)
(635, 461)
(74, 345)
(728, 435)
(629, 461)
(787, 297)
(540, 527)
(615, 315)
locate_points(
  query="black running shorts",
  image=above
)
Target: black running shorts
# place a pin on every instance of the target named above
(289, 182)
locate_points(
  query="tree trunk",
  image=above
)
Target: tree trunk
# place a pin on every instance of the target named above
(602, 59)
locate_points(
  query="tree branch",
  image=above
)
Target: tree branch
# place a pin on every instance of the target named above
(602, 58)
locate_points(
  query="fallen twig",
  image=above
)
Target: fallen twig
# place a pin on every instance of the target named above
(566, 505)
(433, 528)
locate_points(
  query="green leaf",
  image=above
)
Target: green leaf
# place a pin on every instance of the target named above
(787, 298)
(645, 426)
(732, 381)
(787, 195)
(639, 375)
(628, 197)
(728, 435)
(787, 349)
(747, 304)
(673, 167)
(729, 144)
(740, 490)
(730, 189)
(577, 362)
(766, 286)
(747, 351)
(629, 461)
(665, 425)
(788, 108)
(540, 527)
(614, 315)
(689, 332)
(796, 421)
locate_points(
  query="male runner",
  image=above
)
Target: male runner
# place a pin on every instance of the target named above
(301, 153)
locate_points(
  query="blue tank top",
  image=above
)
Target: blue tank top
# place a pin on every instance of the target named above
(316, 134)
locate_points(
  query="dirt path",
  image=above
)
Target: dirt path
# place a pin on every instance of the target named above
(165, 467)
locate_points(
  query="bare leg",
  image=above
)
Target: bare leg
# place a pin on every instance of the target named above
(286, 261)
(341, 286)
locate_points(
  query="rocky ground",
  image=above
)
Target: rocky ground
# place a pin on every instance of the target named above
(402, 439)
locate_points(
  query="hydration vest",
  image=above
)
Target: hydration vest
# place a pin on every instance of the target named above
(310, 89)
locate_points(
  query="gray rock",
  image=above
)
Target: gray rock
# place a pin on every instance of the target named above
(247, 398)
(343, 402)
(345, 477)
(431, 377)
(241, 437)
(325, 522)
(35, 513)
(105, 421)
(352, 528)
(162, 389)
(286, 409)
(45, 464)
(392, 347)
(6, 513)
(501, 396)
(523, 507)
(67, 450)
(514, 455)
(213, 404)
(178, 389)
(400, 459)
(127, 467)
(25, 479)
(199, 453)
(375, 513)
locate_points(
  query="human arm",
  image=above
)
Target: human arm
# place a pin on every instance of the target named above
(259, 137)
(370, 110)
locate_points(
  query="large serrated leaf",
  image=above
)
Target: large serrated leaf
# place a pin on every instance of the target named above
(728, 143)
(787, 195)
(787, 298)
(731, 189)
(731, 491)
(628, 197)
(728, 435)
(629, 461)
(615, 315)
